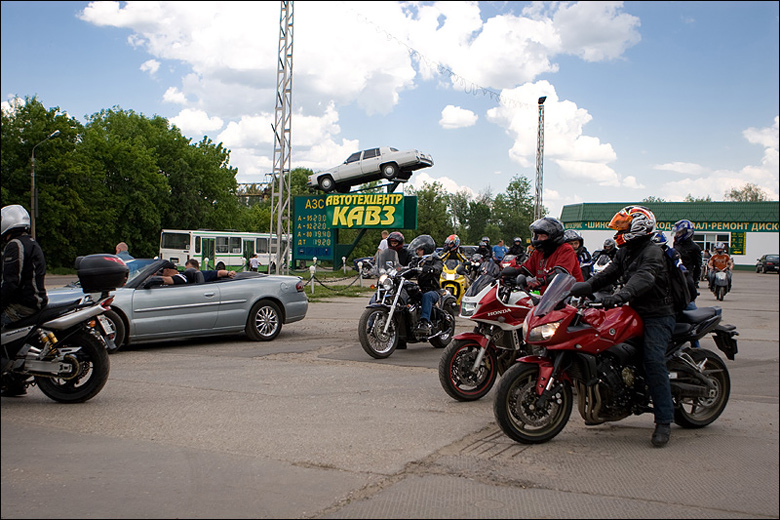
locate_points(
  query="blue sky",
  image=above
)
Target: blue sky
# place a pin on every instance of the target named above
(660, 99)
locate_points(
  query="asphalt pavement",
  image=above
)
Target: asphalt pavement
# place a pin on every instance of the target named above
(309, 426)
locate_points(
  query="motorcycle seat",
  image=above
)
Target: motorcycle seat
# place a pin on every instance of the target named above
(697, 315)
(49, 312)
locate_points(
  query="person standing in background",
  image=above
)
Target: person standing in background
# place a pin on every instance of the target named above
(382, 244)
(499, 250)
(122, 252)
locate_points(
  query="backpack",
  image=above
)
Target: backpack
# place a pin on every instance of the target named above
(681, 284)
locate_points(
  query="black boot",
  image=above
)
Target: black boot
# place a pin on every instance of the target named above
(661, 435)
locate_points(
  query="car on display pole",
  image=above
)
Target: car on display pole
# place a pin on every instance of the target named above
(768, 264)
(368, 165)
(255, 304)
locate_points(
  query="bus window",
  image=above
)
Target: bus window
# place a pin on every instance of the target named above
(197, 245)
(235, 245)
(222, 245)
(180, 241)
(261, 245)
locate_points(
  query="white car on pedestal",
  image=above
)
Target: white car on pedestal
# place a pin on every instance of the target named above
(370, 165)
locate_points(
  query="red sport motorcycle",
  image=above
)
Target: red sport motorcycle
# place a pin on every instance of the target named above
(470, 365)
(598, 353)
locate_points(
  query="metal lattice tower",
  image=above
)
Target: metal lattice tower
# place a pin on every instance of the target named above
(280, 184)
(538, 208)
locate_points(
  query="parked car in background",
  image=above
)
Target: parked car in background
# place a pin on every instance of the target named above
(251, 303)
(373, 164)
(768, 263)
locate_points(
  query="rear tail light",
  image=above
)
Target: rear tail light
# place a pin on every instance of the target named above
(300, 286)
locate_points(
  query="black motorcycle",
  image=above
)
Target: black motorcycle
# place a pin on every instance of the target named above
(394, 311)
(63, 349)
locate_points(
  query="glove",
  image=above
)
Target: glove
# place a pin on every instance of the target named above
(533, 283)
(581, 289)
(611, 300)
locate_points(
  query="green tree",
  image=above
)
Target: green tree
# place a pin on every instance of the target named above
(432, 215)
(513, 211)
(653, 199)
(476, 219)
(748, 193)
(691, 198)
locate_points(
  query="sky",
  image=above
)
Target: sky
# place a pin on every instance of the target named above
(644, 99)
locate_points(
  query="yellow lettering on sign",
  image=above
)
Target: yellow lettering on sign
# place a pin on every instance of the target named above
(373, 215)
(355, 216)
(339, 216)
(315, 204)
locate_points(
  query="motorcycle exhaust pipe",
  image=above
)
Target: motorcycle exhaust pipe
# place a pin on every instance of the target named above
(689, 390)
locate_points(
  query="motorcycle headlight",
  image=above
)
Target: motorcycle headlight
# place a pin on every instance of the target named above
(385, 282)
(468, 309)
(543, 332)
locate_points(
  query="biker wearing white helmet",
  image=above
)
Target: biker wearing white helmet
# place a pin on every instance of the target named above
(24, 270)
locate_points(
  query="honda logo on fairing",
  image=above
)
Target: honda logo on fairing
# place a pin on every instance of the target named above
(502, 311)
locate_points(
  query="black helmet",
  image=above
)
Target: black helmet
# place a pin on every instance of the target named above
(424, 242)
(610, 244)
(551, 227)
(518, 241)
(398, 238)
(571, 235)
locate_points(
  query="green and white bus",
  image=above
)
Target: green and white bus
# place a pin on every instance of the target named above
(222, 249)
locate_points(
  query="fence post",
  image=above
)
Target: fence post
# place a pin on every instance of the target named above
(311, 270)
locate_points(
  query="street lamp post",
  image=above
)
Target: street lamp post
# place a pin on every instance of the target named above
(33, 189)
(539, 159)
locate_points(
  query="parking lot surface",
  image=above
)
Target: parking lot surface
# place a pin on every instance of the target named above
(309, 426)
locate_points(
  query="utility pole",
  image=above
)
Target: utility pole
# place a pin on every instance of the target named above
(538, 209)
(280, 183)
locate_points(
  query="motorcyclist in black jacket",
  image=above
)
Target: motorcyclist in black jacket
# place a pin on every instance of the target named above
(647, 290)
(688, 249)
(428, 278)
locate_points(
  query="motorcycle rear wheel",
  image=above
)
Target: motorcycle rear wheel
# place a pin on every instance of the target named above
(720, 292)
(92, 364)
(456, 376)
(373, 339)
(444, 339)
(701, 411)
(516, 406)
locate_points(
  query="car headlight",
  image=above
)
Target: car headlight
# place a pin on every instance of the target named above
(543, 332)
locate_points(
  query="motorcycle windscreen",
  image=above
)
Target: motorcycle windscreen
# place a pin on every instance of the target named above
(386, 260)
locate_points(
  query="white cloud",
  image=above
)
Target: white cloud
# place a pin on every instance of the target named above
(196, 122)
(682, 167)
(174, 95)
(150, 66)
(456, 117)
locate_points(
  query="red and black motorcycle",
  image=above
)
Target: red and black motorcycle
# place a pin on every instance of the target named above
(470, 365)
(598, 353)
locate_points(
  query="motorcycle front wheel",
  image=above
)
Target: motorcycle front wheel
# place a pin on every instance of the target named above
(456, 375)
(90, 371)
(721, 292)
(519, 411)
(698, 412)
(371, 330)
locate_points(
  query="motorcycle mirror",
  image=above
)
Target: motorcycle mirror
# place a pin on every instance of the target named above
(520, 280)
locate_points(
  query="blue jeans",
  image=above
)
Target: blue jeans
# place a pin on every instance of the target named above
(428, 299)
(658, 333)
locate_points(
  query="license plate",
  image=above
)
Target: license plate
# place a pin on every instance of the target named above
(106, 325)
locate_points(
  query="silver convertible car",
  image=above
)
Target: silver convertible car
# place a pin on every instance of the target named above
(253, 303)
